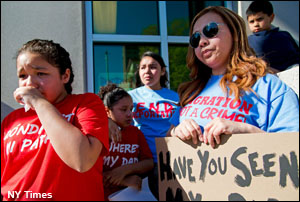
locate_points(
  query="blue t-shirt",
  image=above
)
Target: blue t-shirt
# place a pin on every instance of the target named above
(276, 47)
(274, 108)
(152, 110)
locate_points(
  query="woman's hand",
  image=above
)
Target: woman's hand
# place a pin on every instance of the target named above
(114, 131)
(188, 129)
(218, 126)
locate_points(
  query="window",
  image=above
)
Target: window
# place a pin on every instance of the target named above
(178, 18)
(125, 17)
(119, 32)
(117, 63)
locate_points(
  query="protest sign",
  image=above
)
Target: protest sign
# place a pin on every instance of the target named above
(244, 167)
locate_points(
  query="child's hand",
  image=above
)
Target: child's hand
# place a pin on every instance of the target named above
(114, 131)
(133, 181)
(114, 177)
(111, 178)
(26, 96)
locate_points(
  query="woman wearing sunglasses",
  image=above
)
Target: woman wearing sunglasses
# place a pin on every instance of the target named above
(231, 90)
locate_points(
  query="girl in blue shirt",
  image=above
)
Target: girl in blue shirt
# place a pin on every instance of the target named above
(153, 106)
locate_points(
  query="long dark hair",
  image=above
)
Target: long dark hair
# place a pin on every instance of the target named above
(158, 58)
(54, 54)
(242, 62)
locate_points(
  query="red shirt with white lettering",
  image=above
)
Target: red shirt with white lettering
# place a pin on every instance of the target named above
(31, 169)
(132, 149)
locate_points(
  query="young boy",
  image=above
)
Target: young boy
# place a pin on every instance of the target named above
(277, 47)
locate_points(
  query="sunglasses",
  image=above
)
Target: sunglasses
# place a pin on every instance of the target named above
(209, 31)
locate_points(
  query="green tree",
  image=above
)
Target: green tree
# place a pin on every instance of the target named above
(179, 72)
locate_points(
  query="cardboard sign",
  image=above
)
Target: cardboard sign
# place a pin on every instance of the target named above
(244, 167)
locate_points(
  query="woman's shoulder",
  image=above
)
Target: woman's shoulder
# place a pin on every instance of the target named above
(170, 94)
(136, 90)
(141, 92)
(133, 128)
(271, 84)
(170, 91)
(85, 99)
(271, 79)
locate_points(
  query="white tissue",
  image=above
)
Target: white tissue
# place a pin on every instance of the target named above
(26, 107)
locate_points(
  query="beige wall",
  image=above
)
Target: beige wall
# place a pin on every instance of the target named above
(21, 21)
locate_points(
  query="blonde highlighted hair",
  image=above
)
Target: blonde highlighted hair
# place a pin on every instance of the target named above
(243, 64)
